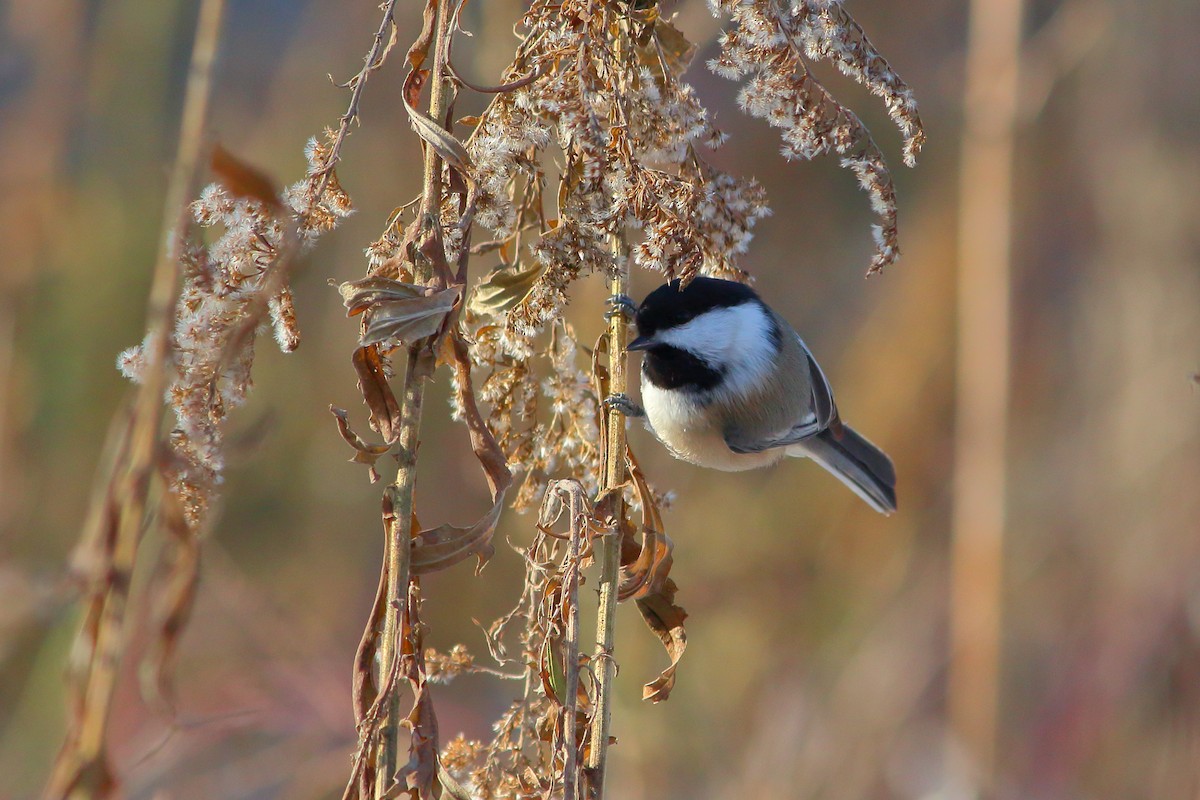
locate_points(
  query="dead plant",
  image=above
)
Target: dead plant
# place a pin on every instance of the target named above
(597, 88)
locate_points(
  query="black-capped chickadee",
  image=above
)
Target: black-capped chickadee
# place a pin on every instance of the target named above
(728, 384)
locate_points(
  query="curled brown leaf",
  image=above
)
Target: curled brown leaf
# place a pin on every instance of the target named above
(648, 572)
(365, 452)
(377, 392)
(437, 548)
(665, 619)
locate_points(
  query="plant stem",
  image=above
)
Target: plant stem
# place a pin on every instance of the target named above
(571, 644)
(612, 478)
(114, 534)
(419, 367)
(983, 392)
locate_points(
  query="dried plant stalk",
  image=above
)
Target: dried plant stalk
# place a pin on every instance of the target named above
(571, 493)
(983, 373)
(109, 547)
(419, 367)
(611, 513)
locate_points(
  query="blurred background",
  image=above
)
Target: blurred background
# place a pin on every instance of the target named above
(820, 634)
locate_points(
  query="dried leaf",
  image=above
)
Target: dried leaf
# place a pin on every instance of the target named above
(377, 392)
(446, 545)
(483, 444)
(648, 573)
(397, 311)
(677, 51)
(419, 50)
(420, 773)
(243, 180)
(363, 293)
(441, 140)
(503, 288)
(363, 687)
(450, 785)
(365, 452)
(665, 619)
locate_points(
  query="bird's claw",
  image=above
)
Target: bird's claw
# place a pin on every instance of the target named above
(621, 305)
(622, 403)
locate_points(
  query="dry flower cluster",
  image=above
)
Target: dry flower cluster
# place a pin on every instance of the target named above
(594, 99)
(227, 287)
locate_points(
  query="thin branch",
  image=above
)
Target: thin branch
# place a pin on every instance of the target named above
(419, 367)
(380, 46)
(612, 481)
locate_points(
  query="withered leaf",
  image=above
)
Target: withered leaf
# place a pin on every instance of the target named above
(365, 452)
(377, 392)
(665, 619)
(503, 288)
(363, 689)
(395, 310)
(677, 51)
(483, 443)
(421, 771)
(420, 48)
(446, 545)
(243, 180)
(451, 786)
(363, 293)
(648, 573)
(441, 140)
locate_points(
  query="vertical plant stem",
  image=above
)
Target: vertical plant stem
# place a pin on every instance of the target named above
(571, 646)
(116, 520)
(984, 246)
(399, 542)
(611, 480)
(419, 367)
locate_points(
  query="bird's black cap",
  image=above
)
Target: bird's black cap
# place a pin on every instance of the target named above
(669, 306)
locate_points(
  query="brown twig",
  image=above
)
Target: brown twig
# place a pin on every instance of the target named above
(380, 46)
(612, 482)
(419, 367)
(578, 508)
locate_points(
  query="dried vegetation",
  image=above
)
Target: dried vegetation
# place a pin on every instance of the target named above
(595, 108)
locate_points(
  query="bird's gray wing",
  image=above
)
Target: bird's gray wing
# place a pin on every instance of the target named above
(822, 394)
(822, 414)
(738, 442)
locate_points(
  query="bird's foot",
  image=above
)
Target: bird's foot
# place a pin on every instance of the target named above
(621, 305)
(622, 403)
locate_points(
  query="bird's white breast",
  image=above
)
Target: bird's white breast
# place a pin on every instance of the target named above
(680, 422)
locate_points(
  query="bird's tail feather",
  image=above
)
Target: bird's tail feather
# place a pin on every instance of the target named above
(855, 462)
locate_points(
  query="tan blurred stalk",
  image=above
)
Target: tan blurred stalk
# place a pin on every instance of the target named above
(983, 366)
(114, 527)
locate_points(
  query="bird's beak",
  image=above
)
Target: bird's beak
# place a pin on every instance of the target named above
(640, 343)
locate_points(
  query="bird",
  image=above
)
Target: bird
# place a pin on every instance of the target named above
(728, 384)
